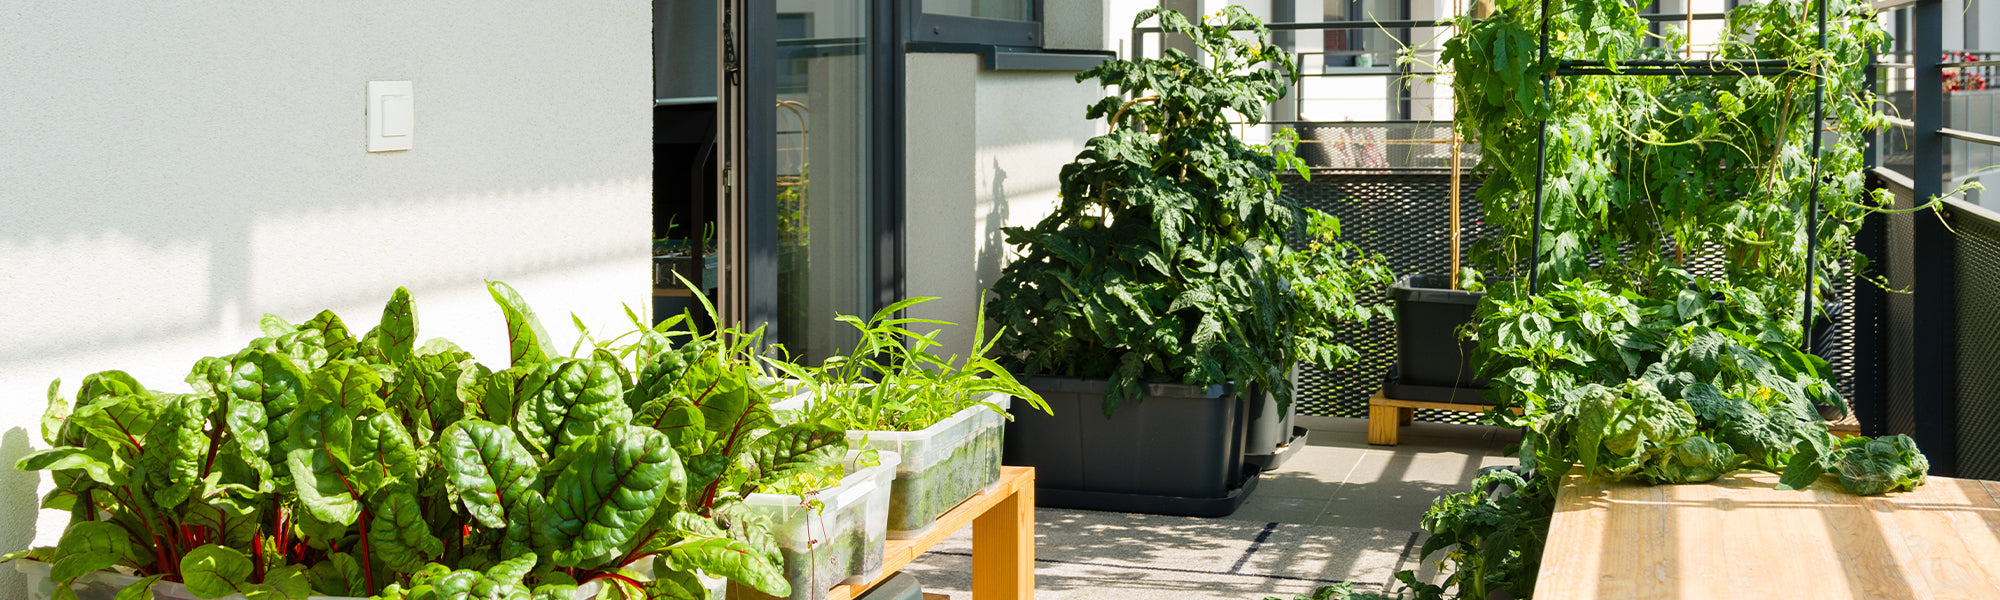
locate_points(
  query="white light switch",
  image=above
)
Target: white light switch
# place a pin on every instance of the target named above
(391, 116)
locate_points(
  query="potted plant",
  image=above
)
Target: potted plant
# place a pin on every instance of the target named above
(317, 463)
(1147, 294)
(944, 417)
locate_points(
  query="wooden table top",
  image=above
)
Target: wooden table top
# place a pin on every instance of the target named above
(1740, 537)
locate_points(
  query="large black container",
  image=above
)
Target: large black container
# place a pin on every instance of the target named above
(1177, 452)
(1429, 351)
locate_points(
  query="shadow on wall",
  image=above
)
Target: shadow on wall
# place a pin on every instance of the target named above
(18, 501)
(993, 248)
(90, 280)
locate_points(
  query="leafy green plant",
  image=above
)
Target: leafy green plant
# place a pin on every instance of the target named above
(1649, 172)
(1152, 266)
(314, 461)
(894, 381)
(1326, 280)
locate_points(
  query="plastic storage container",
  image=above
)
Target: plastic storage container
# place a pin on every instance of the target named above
(942, 464)
(841, 543)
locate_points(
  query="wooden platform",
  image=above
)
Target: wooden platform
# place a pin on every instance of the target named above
(1003, 542)
(1740, 537)
(1387, 416)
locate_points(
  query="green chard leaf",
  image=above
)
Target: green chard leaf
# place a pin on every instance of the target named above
(610, 491)
(488, 469)
(527, 341)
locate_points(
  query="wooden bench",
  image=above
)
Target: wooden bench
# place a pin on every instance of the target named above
(1003, 543)
(1387, 416)
(1740, 537)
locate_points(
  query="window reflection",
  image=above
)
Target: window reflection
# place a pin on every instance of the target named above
(821, 153)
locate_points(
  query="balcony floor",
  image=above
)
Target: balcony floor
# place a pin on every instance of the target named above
(1340, 510)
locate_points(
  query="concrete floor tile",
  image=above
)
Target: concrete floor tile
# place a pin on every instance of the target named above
(1363, 556)
(1383, 505)
(1134, 540)
(1066, 580)
(1267, 508)
(1449, 467)
(1313, 473)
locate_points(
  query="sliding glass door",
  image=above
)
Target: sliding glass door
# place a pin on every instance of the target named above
(808, 110)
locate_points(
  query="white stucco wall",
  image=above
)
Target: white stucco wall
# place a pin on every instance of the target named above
(985, 149)
(171, 170)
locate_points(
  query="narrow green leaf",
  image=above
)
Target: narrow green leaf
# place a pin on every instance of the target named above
(527, 341)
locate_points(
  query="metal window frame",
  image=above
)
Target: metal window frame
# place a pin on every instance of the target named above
(953, 29)
(747, 225)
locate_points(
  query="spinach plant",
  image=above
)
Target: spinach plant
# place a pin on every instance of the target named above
(1151, 268)
(894, 381)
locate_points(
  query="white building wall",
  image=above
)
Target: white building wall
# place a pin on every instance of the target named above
(984, 152)
(172, 170)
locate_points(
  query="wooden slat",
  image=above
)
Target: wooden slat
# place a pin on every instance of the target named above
(1380, 400)
(1016, 483)
(1740, 537)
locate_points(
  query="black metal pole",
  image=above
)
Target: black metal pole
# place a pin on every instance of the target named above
(1812, 210)
(1541, 167)
(1934, 386)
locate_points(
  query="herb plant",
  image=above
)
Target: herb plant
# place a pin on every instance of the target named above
(1152, 266)
(893, 381)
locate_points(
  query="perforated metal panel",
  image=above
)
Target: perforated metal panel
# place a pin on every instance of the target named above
(1405, 216)
(1899, 398)
(1978, 348)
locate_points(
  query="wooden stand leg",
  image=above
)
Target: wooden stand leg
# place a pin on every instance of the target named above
(1406, 416)
(1383, 424)
(1003, 549)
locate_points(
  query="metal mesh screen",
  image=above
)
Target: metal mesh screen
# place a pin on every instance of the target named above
(1405, 216)
(1899, 399)
(1977, 276)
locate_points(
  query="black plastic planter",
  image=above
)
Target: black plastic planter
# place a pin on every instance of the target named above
(1432, 362)
(1820, 343)
(1273, 439)
(1177, 452)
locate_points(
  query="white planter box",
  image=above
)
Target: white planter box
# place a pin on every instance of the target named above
(843, 542)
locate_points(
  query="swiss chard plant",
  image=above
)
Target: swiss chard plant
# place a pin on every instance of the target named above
(894, 379)
(319, 462)
(1151, 269)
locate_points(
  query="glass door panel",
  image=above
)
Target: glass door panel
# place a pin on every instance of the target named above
(821, 151)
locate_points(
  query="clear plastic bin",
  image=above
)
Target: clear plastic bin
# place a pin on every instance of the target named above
(943, 464)
(843, 542)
